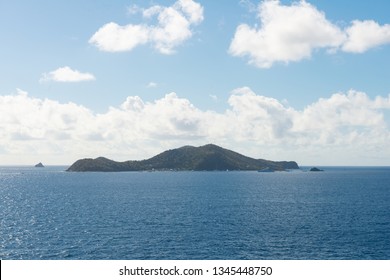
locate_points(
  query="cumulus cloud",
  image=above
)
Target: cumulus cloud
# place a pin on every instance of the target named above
(339, 129)
(66, 74)
(173, 27)
(364, 35)
(292, 33)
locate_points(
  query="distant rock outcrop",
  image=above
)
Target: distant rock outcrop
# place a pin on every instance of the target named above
(315, 169)
(39, 165)
(208, 158)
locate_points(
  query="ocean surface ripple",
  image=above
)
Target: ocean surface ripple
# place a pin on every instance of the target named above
(342, 213)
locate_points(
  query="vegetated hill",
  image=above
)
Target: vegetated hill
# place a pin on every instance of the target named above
(209, 157)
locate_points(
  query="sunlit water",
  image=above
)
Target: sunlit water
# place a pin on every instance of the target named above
(342, 213)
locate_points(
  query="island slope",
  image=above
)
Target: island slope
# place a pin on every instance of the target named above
(205, 158)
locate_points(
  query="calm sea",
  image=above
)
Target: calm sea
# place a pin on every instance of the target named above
(342, 213)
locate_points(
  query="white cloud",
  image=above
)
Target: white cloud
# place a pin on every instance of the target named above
(66, 74)
(192, 9)
(364, 35)
(213, 97)
(151, 85)
(173, 28)
(292, 33)
(133, 9)
(112, 37)
(287, 33)
(341, 129)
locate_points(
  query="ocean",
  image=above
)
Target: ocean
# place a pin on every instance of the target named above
(341, 213)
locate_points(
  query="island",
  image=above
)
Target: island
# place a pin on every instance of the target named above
(39, 165)
(188, 158)
(315, 169)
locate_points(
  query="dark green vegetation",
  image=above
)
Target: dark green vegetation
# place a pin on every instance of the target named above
(209, 157)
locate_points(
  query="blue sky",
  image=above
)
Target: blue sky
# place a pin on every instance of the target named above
(297, 80)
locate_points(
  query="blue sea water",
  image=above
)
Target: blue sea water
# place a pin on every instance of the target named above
(342, 213)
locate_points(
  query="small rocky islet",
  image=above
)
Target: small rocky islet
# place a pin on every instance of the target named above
(315, 169)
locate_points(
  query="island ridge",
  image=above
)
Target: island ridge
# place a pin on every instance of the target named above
(204, 158)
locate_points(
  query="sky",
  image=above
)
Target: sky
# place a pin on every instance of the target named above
(282, 80)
